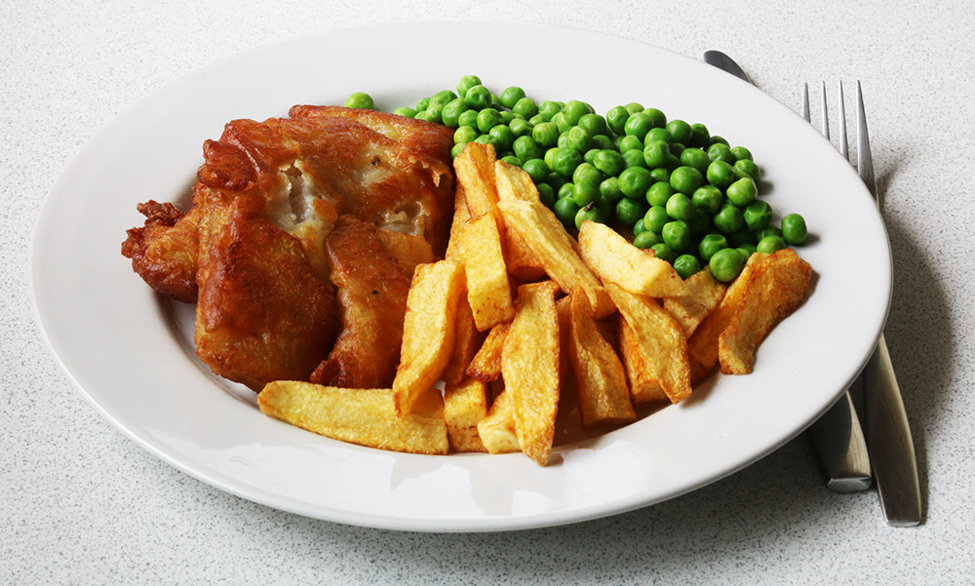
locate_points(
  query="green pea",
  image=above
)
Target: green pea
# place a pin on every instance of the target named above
(628, 211)
(748, 168)
(655, 153)
(770, 244)
(609, 161)
(603, 142)
(549, 108)
(488, 118)
(549, 157)
(746, 249)
(634, 107)
(715, 139)
(741, 153)
(661, 174)
(546, 134)
(590, 155)
(677, 234)
(525, 107)
(721, 174)
(634, 158)
(584, 193)
(634, 181)
(729, 219)
(574, 110)
(726, 264)
(609, 189)
(587, 173)
(510, 96)
(422, 104)
(434, 112)
(561, 123)
(450, 114)
(673, 161)
(536, 120)
(616, 119)
(658, 118)
(769, 231)
(502, 137)
(507, 116)
(655, 135)
(360, 100)
(465, 134)
(457, 149)
(564, 161)
(594, 124)
(579, 138)
(686, 179)
(757, 215)
(525, 148)
(638, 227)
(679, 131)
(484, 139)
(466, 83)
(638, 125)
(794, 229)
(467, 118)
(655, 218)
(478, 97)
(592, 213)
(700, 137)
(710, 244)
(630, 143)
(686, 265)
(676, 149)
(663, 251)
(443, 97)
(742, 192)
(680, 207)
(546, 194)
(563, 141)
(708, 199)
(536, 169)
(565, 210)
(520, 127)
(695, 157)
(405, 111)
(647, 239)
(512, 160)
(721, 152)
(659, 192)
(565, 190)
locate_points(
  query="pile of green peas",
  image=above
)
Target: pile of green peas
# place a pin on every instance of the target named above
(673, 186)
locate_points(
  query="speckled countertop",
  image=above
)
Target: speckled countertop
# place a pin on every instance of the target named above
(83, 504)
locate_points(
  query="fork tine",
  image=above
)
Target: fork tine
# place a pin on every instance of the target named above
(844, 146)
(805, 102)
(825, 112)
(864, 159)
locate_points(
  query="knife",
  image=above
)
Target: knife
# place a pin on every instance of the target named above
(888, 431)
(837, 435)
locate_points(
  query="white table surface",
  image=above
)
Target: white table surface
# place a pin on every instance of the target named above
(82, 504)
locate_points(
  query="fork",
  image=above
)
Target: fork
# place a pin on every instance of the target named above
(888, 437)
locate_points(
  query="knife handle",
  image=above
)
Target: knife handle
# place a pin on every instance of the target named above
(842, 448)
(889, 441)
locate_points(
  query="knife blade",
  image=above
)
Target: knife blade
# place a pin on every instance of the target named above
(888, 431)
(837, 435)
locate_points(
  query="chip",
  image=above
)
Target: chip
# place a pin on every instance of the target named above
(467, 341)
(555, 250)
(774, 290)
(530, 368)
(617, 261)
(604, 396)
(661, 339)
(465, 405)
(702, 293)
(360, 416)
(486, 364)
(488, 288)
(644, 387)
(428, 331)
(497, 430)
(461, 215)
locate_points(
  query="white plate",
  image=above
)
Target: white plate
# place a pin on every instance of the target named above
(128, 351)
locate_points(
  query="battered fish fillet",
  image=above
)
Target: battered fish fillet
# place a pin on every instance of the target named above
(372, 290)
(266, 198)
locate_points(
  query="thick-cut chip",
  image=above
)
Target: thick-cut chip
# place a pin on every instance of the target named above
(461, 215)
(497, 430)
(774, 289)
(361, 416)
(488, 287)
(644, 388)
(703, 345)
(603, 393)
(555, 250)
(428, 331)
(465, 405)
(467, 341)
(408, 249)
(486, 364)
(530, 368)
(615, 260)
(474, 168)
(702, 293)
(514, 183)
(661, 339)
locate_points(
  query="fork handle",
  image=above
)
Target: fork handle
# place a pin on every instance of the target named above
(842, 448)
